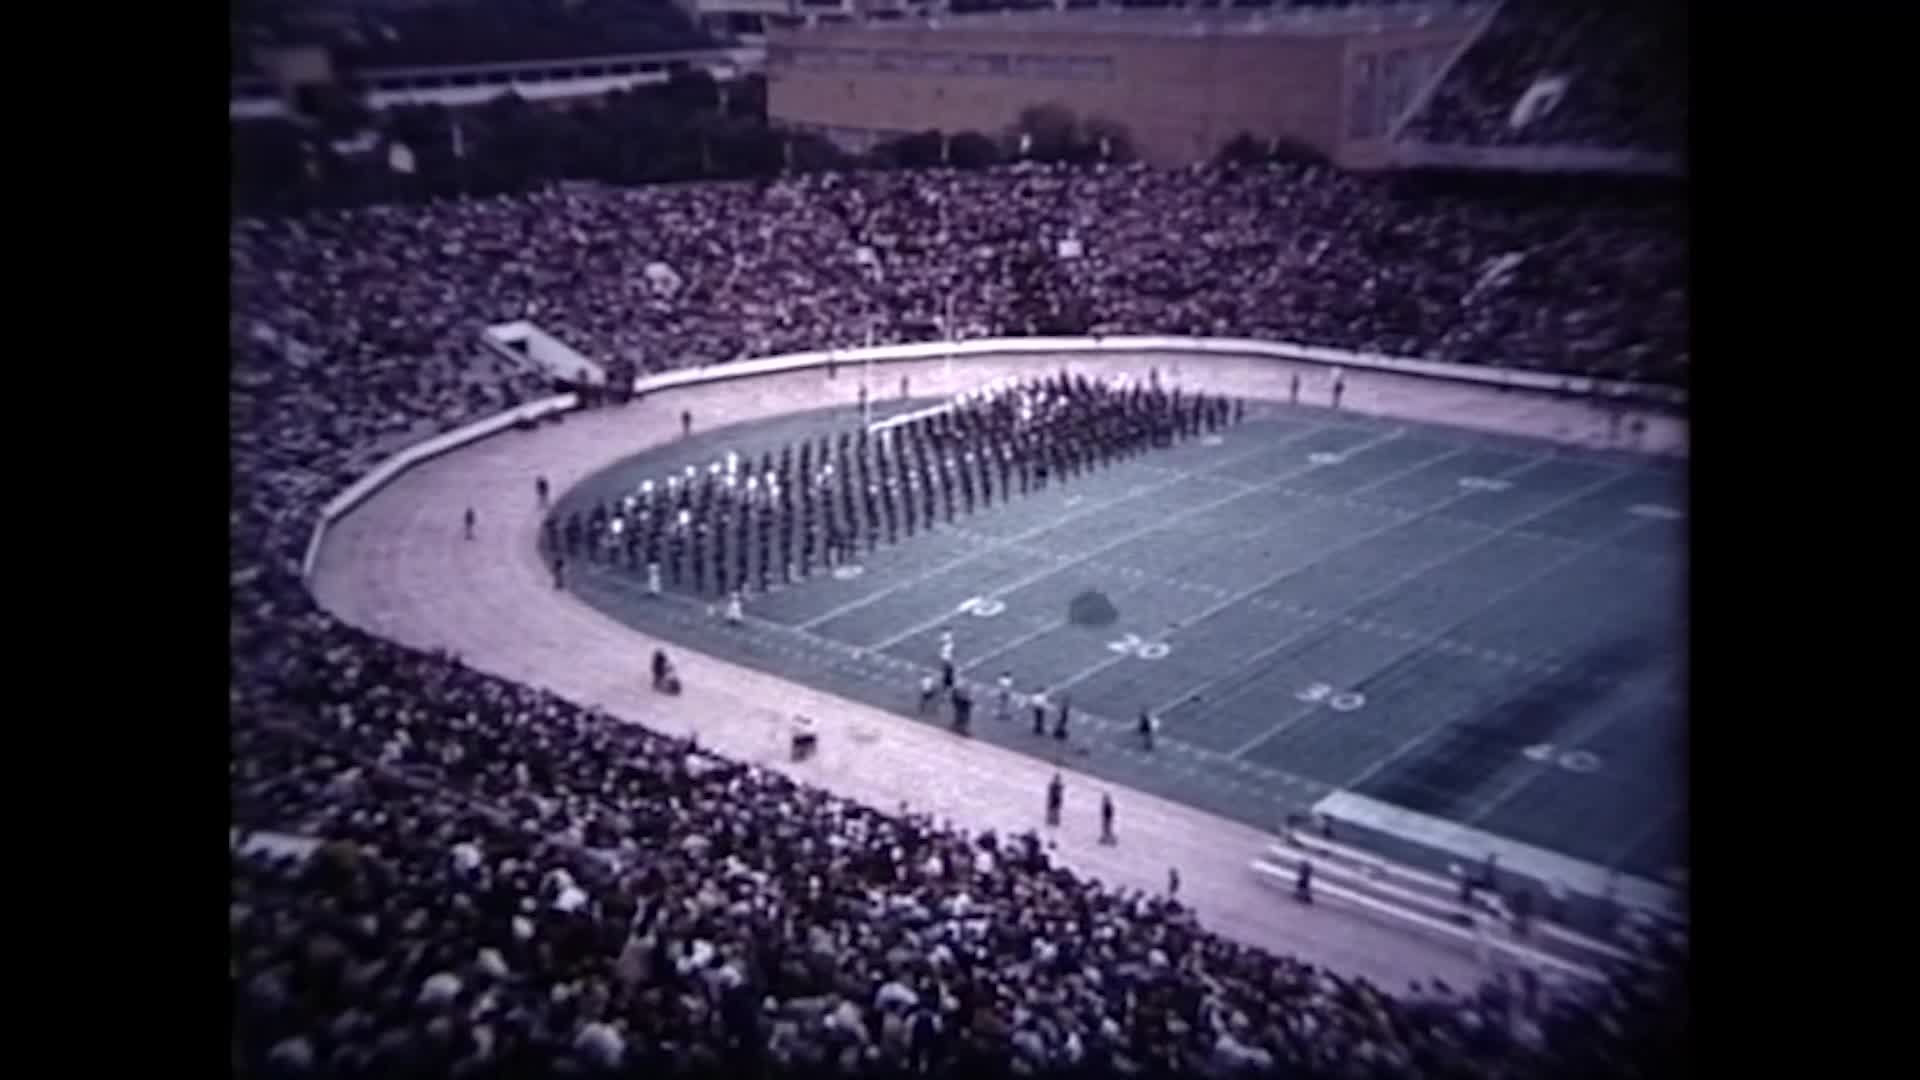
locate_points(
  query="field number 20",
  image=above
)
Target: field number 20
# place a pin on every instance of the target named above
(1337, 700)
(1131, 645)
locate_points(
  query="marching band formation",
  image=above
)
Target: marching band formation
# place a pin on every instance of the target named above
(740, 525)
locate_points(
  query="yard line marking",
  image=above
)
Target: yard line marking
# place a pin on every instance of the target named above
(1528, 773)
(1135, 534)
(1442, 643)
(1547, 538)
(1051, 522)
(860, 663)
(1675, 808)
(1374, 770)
(1229, 599)
(1438, 640)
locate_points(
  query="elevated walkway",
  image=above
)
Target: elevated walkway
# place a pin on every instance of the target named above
(1432, 906)
(525, 343)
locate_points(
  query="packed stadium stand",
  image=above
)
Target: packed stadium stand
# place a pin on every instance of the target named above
(1607, 76)
(438, 872)
(423, 35)
(1528, 273)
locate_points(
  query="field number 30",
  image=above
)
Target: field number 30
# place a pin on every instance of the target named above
(1131, 645)
(1337, 700)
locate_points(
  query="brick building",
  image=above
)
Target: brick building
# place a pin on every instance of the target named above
(1182, 83)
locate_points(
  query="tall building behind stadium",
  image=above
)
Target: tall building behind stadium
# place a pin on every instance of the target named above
(1181, 83)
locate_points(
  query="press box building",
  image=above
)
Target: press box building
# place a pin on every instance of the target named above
(1182, 83)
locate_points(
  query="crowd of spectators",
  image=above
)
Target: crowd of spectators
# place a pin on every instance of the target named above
(1624, 69)
(513, 885)
(508, 885)
(1552, 279)
(467, 31)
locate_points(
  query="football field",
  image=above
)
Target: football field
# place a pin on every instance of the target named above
(1449, 641)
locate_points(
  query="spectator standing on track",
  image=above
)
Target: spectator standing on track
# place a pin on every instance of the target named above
(1303, 882)
(927, 693)
(1339, 387)
(1106, 820)
(470, 522)
(1467, 883)
(1556, 900)
(540, 490)
(1173, 881)
(946, 676)
(962, 709)
(1522, 909)
(1039, 702)
(1060, 721)
(1056, 799)
(1003, 697)
(686, 422)
(559, 572)
(903, 388)
(1293, 389)
(735, 608)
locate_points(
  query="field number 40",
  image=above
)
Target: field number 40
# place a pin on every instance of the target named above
(1580, 761)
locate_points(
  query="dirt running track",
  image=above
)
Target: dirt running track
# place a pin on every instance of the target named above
(398, 567)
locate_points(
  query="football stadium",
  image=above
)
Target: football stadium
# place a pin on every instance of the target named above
(715, 595)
